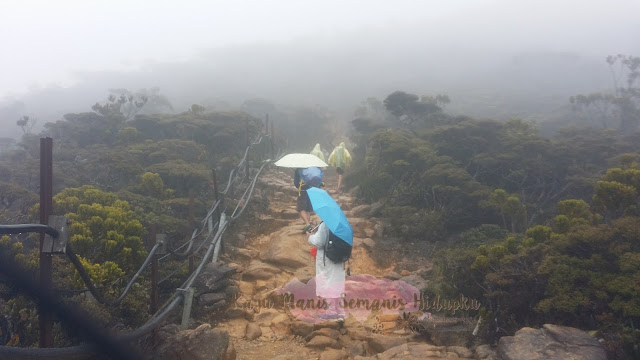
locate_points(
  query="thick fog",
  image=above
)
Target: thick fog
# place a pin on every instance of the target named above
(496, 58)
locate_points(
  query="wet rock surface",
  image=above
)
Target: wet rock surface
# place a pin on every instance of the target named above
(551, 342)
(197, 344)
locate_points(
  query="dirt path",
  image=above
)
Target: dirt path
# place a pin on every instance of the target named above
(272, 254)
(281, 245)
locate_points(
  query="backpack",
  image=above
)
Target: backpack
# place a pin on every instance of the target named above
(336, 249)
(312, 176)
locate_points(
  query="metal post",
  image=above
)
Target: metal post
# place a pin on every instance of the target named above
(46, 207)
(210, 224)
(186, 310)
(217, 249)
(221, 227)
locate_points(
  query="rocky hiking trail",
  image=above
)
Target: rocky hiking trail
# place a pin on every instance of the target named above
(258, 324)
(238, 313)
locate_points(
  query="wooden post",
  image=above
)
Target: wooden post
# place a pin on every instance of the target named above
(155, 298)
(216, 193)
(246, 160)
(266, 146)
(273, 137)
(154, 274)
(191, 221)
(46, 207)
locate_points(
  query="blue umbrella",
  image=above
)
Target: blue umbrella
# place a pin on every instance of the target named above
(330, 212)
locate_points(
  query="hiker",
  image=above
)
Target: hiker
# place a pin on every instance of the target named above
(330, 276)
(317, 151)
(340, 159)
(303, 179)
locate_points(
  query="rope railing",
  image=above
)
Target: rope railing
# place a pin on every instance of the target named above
(213, 250)
(137, 274)
(176, 253)
(211, 211)
(250, 190)
(187, 260)
(25, 228)
(93, 289)
(83, 290)
(75, 319)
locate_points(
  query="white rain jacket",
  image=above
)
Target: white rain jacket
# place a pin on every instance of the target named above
(329, 275)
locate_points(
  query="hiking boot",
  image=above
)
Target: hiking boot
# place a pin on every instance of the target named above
(306, 228)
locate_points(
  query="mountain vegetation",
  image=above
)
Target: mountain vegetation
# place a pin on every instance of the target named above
(117, 176)
(543, 229)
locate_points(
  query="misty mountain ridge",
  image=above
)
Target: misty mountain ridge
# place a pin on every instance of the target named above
(494, 84)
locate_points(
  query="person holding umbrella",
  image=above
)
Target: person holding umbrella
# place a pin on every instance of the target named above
(303, 205)
(333, 238)
(307, 173)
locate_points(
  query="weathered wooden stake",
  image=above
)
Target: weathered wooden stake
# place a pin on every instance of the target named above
(246, 160)
(154, 274)
(46, 207)
(273, 136)
(191, 221)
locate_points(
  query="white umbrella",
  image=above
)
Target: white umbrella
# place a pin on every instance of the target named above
(300, 161)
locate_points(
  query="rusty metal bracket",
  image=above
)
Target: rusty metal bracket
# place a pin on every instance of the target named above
(57, 245)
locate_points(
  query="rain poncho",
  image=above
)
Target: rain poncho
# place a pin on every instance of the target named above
(340, 157)
(329, 275)
(317, 151)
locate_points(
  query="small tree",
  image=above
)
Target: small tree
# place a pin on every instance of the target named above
(124, 103)
(26, 123)
(196, 109)
(508, 206)
(104, 229)
(410, 110)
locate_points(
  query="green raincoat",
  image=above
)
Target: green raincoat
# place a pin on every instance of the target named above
(340, 157)
(317, 151)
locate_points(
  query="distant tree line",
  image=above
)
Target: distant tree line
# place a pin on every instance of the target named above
(542, 228)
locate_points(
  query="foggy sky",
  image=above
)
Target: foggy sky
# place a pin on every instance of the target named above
(295, 50)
